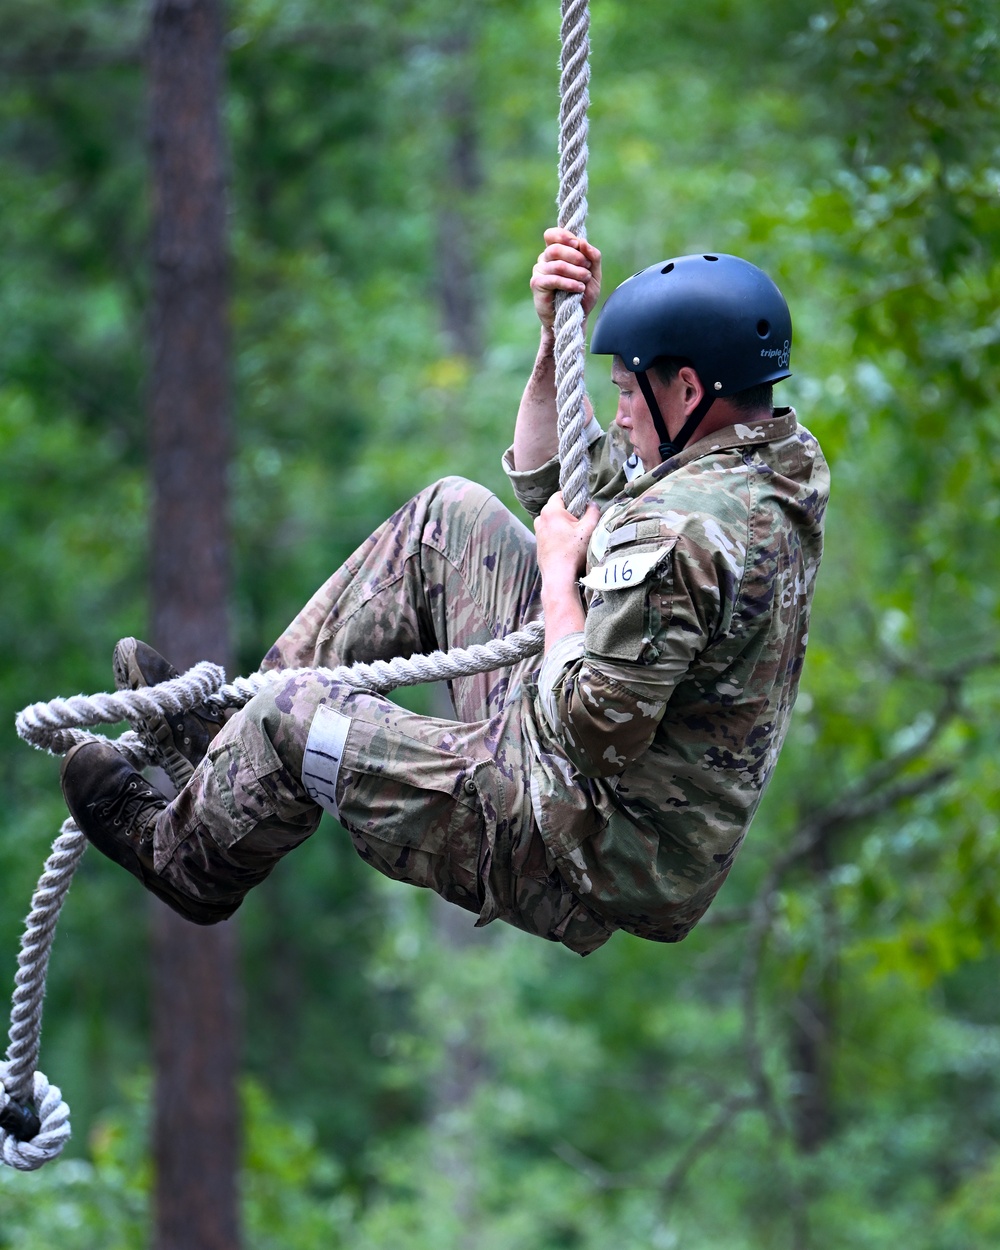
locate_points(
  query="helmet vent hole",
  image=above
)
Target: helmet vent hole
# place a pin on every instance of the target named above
(711, 258)
(667, 268)
(763, 328)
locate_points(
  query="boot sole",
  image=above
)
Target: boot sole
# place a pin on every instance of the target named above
(129, 676)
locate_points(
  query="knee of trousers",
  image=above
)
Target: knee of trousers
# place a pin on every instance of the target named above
(276, 722)
(454, 511)
(251, 781)
(454, 493)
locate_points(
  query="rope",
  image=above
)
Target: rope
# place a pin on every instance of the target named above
(570, 349)
(34, 1119)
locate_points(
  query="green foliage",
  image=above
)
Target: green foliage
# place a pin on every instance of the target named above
(816, 1065)
(83, 1205)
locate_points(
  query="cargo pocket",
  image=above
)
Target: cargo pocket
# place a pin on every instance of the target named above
(414, 811)
(403, 790)
(239, 786)
(246, 778)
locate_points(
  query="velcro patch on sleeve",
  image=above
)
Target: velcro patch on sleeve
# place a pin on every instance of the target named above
(624, 572)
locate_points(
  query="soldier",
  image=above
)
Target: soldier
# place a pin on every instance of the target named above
(606, 785)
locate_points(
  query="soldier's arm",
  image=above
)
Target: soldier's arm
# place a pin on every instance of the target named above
(566, 264)
(562, 541)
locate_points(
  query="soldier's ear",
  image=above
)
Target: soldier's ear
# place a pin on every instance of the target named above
(693, 389)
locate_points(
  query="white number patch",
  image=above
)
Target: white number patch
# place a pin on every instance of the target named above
(625, 571)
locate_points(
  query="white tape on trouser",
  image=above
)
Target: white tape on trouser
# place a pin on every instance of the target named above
(324, 751)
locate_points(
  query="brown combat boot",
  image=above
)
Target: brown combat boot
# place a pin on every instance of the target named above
(117, 810)
(182, 739)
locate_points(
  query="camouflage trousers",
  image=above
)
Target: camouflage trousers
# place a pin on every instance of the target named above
(443, 804)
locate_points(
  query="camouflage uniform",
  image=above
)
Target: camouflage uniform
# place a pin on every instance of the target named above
(607, 787)
(655, 731)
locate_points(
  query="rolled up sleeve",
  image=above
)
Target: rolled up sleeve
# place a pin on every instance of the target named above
(533, 488)
(601, 725)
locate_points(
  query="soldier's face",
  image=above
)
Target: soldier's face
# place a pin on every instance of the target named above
(633, 413)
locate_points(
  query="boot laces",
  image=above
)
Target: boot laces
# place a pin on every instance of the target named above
(126, 805)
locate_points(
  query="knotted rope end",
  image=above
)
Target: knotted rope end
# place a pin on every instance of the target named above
(32, 1133)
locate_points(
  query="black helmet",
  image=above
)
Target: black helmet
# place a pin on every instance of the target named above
(723, 314)
(720, 312)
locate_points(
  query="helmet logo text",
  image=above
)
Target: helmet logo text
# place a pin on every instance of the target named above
(779, 353)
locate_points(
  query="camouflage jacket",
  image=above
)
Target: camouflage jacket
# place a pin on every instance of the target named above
(655, 730)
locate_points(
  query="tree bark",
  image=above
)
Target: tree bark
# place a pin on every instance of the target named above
(812, 1025)
(195, 988)
(464, 1069)
(458, 287)
(459, 299)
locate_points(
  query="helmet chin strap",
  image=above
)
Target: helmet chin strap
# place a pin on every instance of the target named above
(668, 446)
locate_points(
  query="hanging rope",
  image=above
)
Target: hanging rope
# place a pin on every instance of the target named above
(34, 1119)
(570, 348)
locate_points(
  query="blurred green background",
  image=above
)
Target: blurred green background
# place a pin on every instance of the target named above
(818, 1064)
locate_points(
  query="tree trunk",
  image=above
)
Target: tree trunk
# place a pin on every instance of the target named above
(196, 1130)
(459, 289)
(812, 1023)
(465, 1068)
(459, 296)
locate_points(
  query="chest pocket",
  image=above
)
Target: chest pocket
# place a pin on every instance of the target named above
(625, 613)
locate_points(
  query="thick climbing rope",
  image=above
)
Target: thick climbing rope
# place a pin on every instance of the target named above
(570, 347)
(34, 1118)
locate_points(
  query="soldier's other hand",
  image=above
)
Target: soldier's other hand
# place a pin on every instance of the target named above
(562, 540)
(567, 264)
